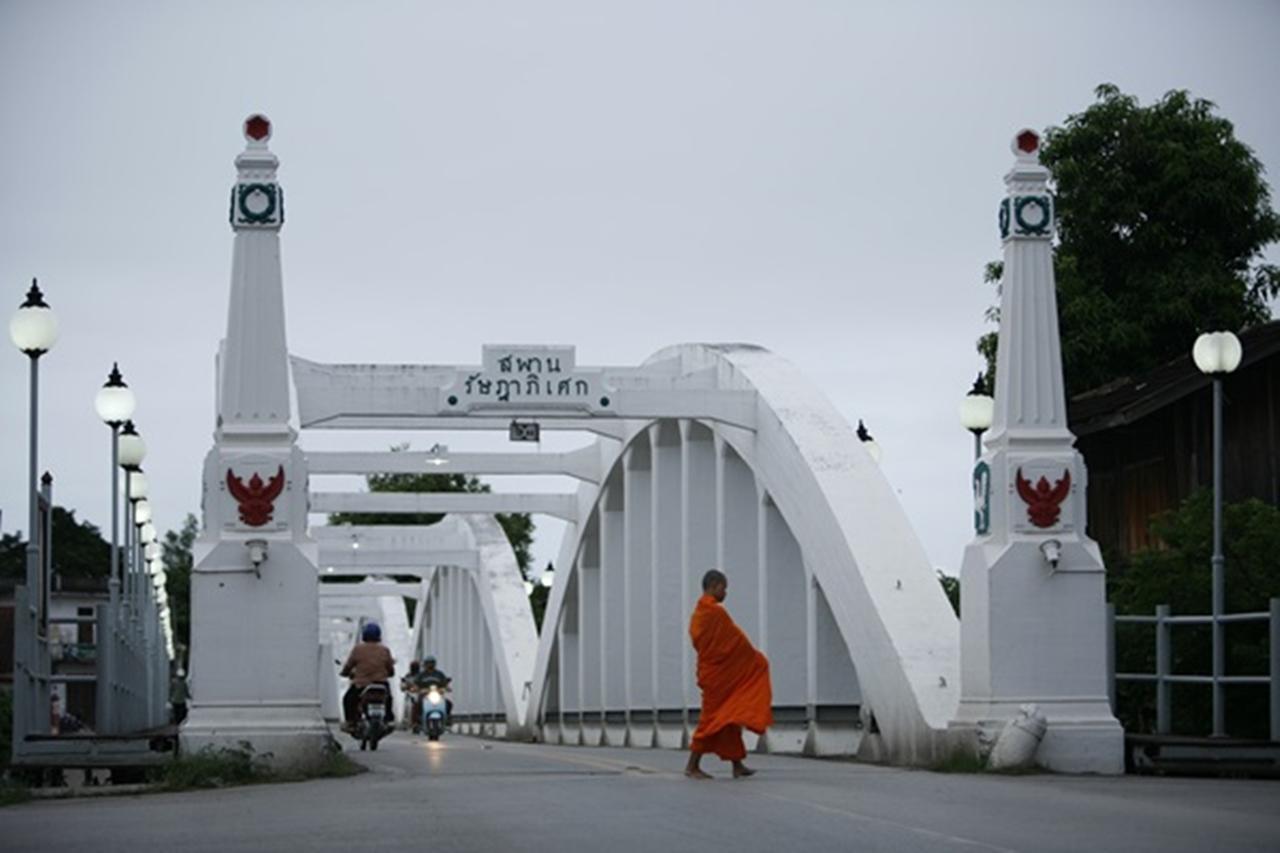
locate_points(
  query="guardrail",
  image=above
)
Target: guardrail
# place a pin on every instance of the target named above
(1164, 678)
(131, 678)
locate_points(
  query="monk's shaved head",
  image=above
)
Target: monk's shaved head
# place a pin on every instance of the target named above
(711, 578)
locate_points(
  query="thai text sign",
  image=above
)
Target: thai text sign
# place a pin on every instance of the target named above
(524, 374)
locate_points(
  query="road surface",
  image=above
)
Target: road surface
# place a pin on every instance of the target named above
(465, 794)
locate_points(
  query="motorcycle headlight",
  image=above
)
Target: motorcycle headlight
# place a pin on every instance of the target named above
(433, 697)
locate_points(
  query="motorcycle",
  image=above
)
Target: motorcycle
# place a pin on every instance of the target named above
(433, 711)
(372, 726)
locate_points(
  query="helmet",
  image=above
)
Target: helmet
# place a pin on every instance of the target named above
(429, 660)
(371, 633)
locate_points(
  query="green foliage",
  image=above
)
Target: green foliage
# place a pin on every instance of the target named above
(960, 760)
(215, 768)
(1180, 574)
(79, 551)
(12, 793)
(6, 728)
(223, 767)
(951, 587)
(519, 527)
(1162, 218)
(178, 562)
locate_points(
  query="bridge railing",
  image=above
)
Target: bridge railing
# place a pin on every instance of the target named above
(1164, 677)
(131, 678)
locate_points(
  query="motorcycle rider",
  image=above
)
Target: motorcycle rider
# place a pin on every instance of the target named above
(431, 675)
(370, 662)
(409, 685)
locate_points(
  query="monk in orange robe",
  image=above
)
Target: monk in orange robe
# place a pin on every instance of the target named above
(734, 678)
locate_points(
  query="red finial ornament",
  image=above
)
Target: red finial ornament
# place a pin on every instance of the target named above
(1027, 141)
(257, 128)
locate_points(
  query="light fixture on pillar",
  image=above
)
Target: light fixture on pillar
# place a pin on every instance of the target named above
(34, 327)
(257, 552)
(1217, 354)
(152, 551)
(34, 330)
(142, 511)
(131, 448)
(138, 486)
(872, 448)
(548, 577)
(147, 533)
(115, 404)
(976, 411)
(528, 587)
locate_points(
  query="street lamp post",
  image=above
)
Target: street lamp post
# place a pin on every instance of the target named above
(1217, 354)
(115, 404)
(131, 450)
(34, 330)
(976, 411)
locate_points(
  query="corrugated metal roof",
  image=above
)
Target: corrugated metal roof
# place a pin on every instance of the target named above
(1127, 400)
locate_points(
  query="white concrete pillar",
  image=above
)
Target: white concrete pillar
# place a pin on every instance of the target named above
(738, 540)
(700, 539)
(254, 618)
(836, 726)
(785, 634)
(670, 596)
(592, 641)
(613, 608)
(1033, 609)
(638, 581)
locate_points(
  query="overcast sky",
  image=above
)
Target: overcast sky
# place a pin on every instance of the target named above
(818, 178)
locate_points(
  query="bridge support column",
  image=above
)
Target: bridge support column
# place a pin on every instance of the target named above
(254, 597)
(1032, 583)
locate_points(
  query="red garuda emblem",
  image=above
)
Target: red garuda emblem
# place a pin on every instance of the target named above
(257, 499)
(1044, 502)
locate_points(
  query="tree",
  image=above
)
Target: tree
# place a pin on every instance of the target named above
(1162, 217)
(539, 597)
(178, 562)
(518, 526)
(79, 550)
(1179, 574)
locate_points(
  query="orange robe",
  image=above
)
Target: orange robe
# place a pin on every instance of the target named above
(734, 678)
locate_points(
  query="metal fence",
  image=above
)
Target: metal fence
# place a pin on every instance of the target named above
(1164, 678)
(130, 653)
(131, 680)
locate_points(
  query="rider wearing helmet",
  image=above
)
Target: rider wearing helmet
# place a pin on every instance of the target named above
(431, 675)
(370, 662)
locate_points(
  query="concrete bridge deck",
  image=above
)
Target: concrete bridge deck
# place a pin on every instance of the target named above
(466, 794)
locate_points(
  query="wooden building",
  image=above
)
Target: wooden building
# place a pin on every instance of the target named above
(1148, 440)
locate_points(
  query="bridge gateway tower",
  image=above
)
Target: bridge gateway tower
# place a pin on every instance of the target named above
(254, 673)
(1032, 583)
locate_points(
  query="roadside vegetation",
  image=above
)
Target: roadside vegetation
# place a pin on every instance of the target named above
(227, 767)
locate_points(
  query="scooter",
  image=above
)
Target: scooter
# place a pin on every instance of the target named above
(372, 726)
(433, 711)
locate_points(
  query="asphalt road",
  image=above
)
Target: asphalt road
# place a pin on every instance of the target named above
(470, 795)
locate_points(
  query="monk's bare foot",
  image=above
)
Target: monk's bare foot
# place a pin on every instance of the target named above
(742, 771)
(696, 774)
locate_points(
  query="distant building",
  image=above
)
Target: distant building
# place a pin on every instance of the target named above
(73, 648)
(1148, 440)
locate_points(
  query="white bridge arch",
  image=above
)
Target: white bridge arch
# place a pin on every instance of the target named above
(471, 611)
(825, 572)
(707, 456)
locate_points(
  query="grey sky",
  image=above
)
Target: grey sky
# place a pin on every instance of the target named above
(818, 178)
